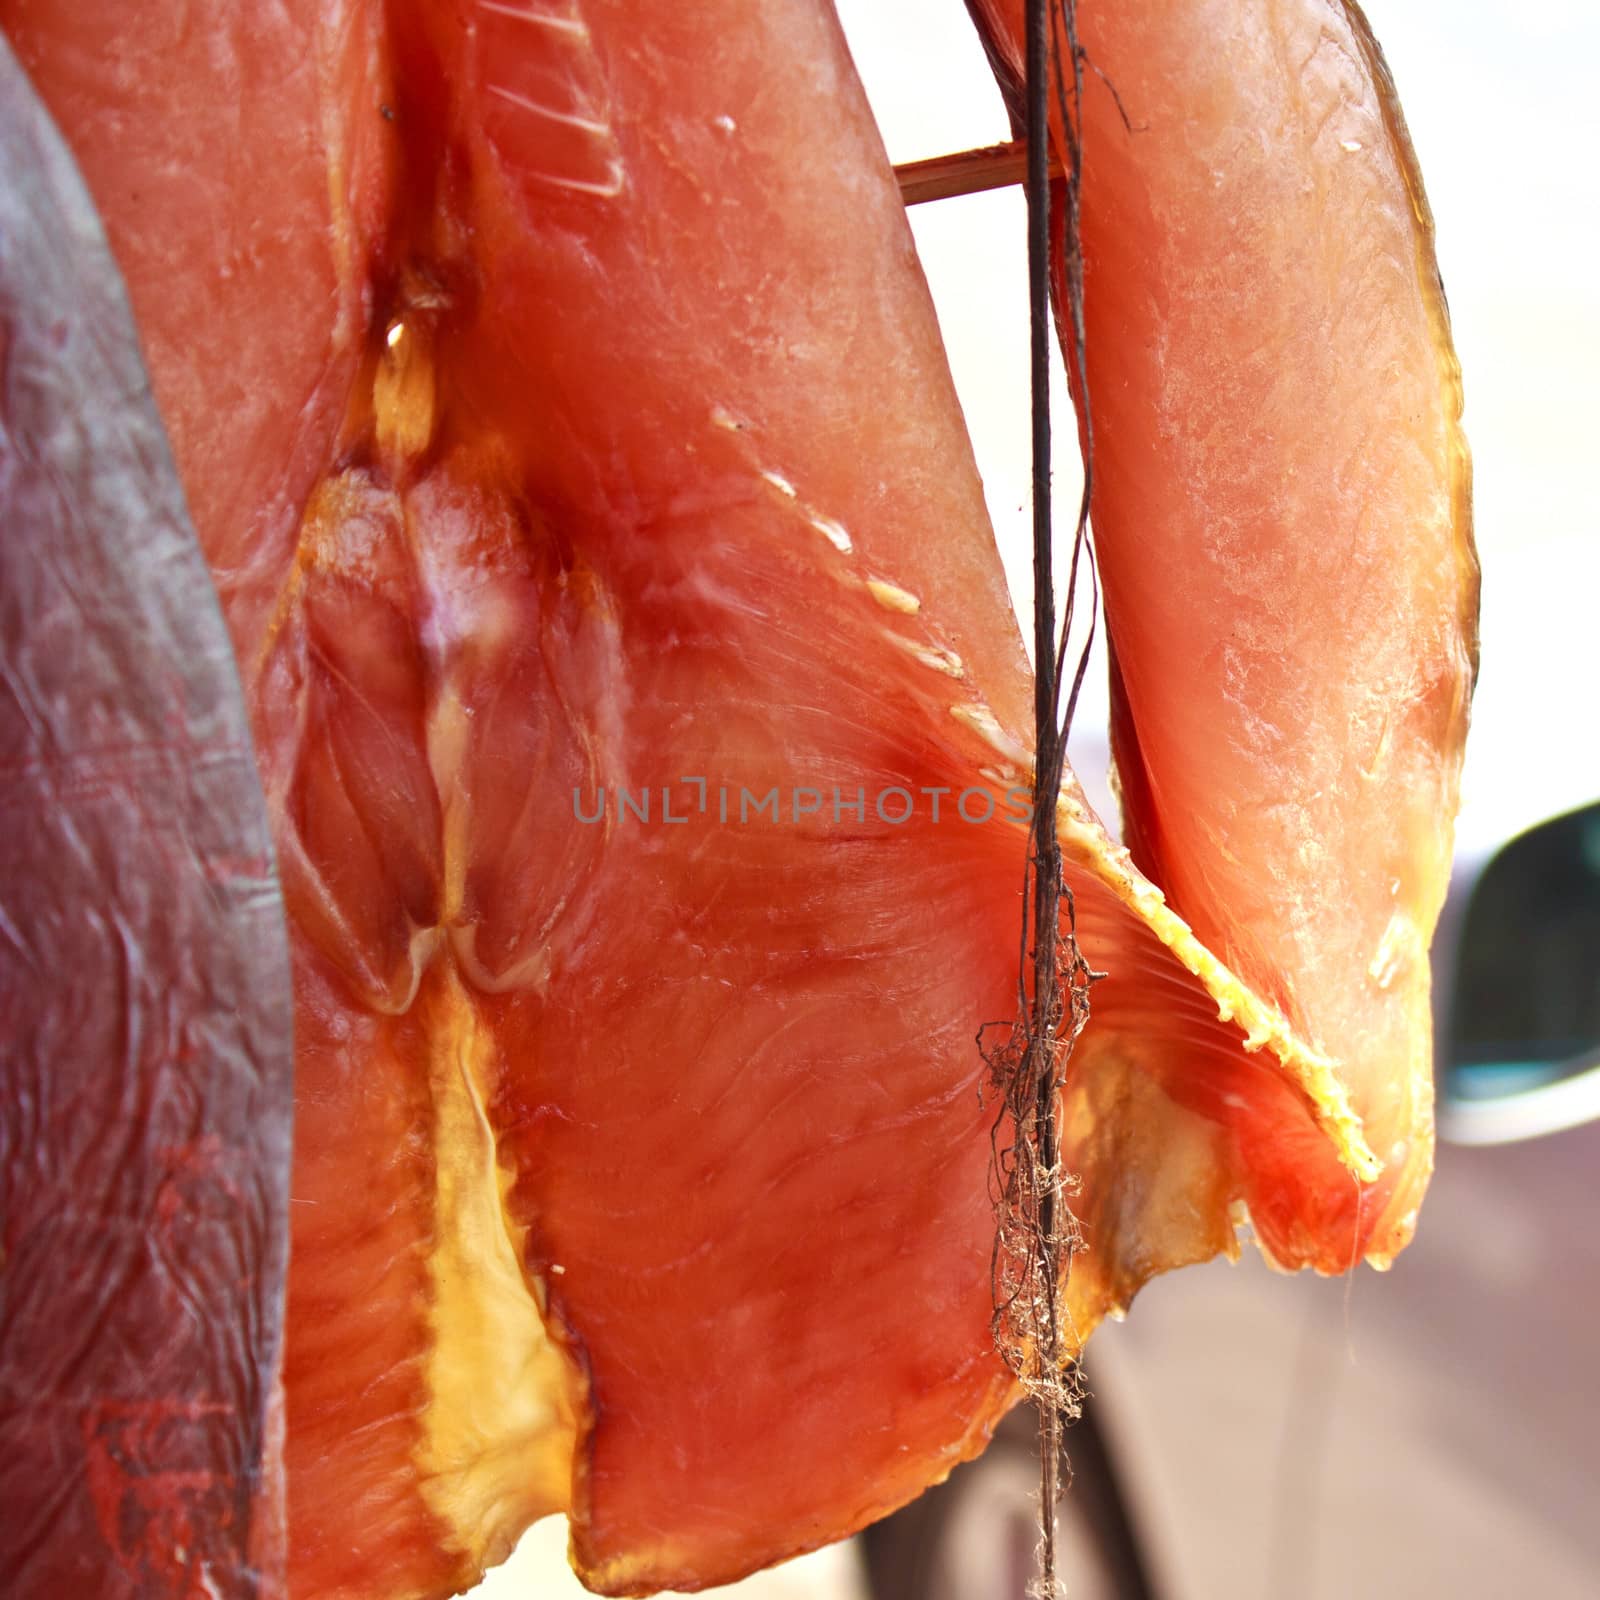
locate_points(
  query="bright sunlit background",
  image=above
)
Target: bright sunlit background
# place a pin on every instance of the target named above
(1502, 104)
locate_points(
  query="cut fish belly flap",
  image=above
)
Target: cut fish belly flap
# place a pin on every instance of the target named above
(1276, 413)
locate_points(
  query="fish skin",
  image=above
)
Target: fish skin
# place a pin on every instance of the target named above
(146, 1068)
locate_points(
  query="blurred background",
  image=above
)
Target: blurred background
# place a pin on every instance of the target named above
(1429, 1432)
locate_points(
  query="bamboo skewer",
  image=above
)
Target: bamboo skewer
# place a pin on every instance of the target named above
(993, 166)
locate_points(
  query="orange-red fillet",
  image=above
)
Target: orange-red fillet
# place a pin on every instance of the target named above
(563, 412)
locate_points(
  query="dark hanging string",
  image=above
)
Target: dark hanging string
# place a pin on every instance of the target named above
(1037, 1233)
(1068, 109)
(1038, 1064)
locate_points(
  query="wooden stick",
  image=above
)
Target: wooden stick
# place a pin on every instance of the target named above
(994, 166)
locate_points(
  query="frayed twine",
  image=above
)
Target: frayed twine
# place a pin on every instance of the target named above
(1036, 1233)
